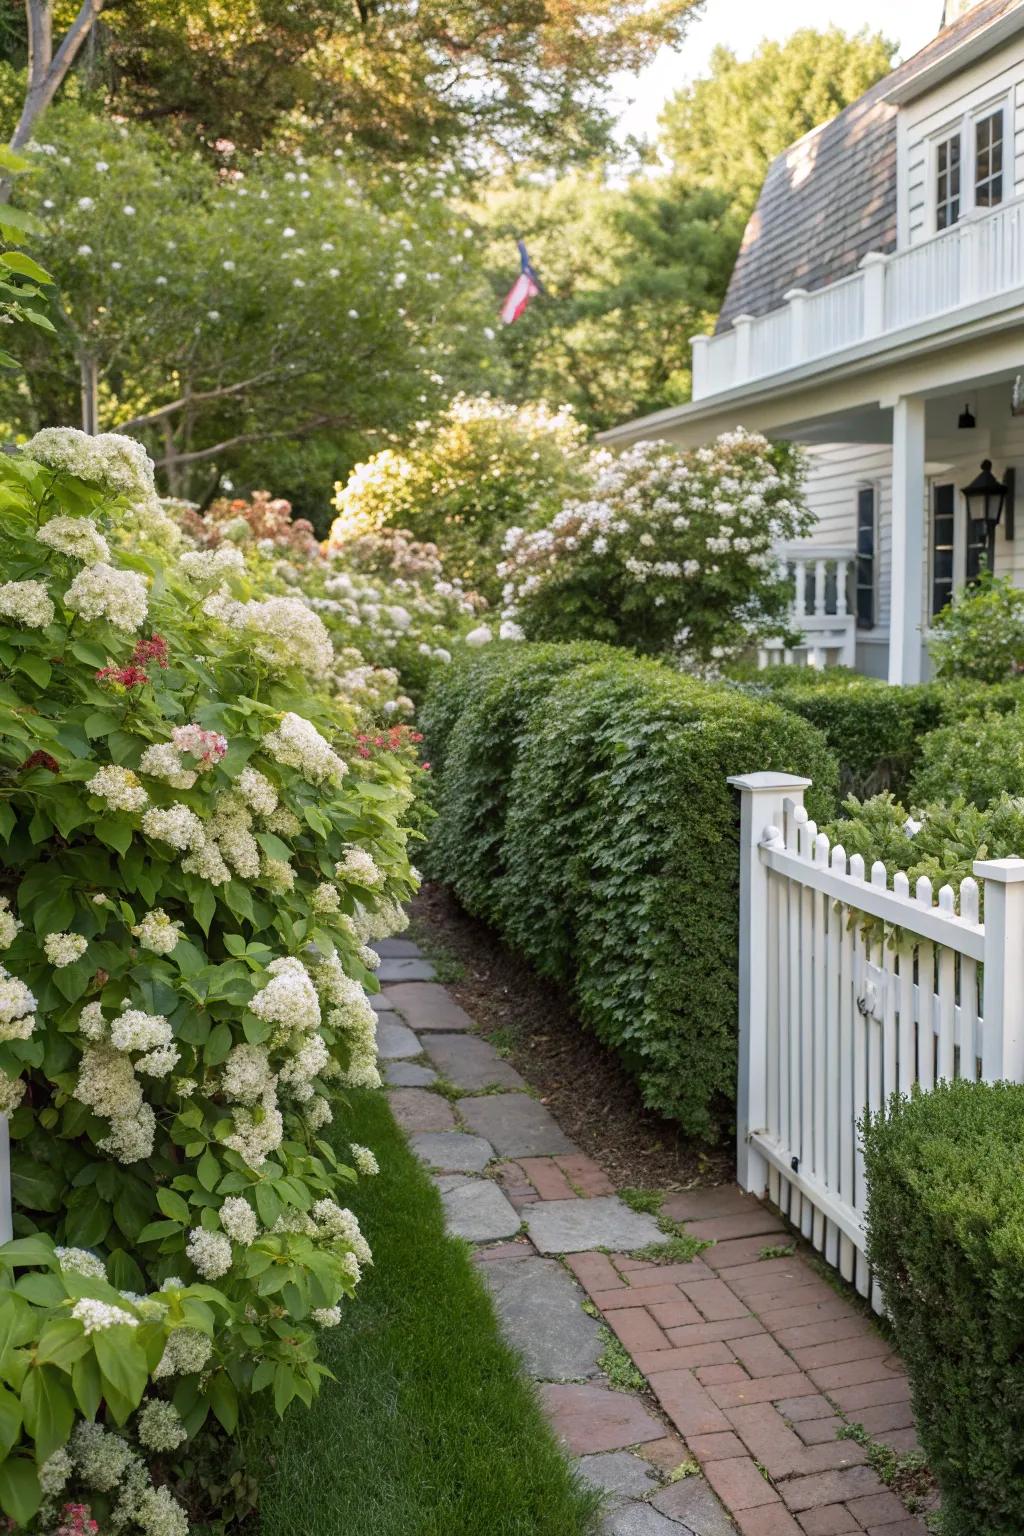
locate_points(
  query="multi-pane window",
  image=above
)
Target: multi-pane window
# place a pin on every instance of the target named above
(947, 182)
(943, 525)
(865, 570)
(977, 551)
(988, 160)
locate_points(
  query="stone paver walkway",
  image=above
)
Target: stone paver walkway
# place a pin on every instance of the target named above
(753, 1362)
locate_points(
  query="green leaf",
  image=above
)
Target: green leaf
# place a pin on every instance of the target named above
(234, 944)
(208, 1170)
(115, 834)
(48, 1407)
(173, 1206)
(224, 1401)
(10, 1419)
(85, 1383)
(158, 1229)
(36, 667)
(24, 1251)
(121, 1361)
(61, 1343)
(17, 261)
(20, 1494)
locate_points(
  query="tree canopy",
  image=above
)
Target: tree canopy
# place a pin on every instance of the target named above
(723, 131)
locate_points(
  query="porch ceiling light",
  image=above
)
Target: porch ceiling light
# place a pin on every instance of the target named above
(985, 497)
(966, 419)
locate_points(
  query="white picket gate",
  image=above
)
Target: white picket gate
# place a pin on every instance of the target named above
(850, 990)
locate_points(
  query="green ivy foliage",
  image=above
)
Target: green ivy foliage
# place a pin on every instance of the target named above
(945, 1227)
(617, 873)
(176, 1180)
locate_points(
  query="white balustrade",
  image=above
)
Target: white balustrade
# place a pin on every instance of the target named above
(820, 610)
(979, 258)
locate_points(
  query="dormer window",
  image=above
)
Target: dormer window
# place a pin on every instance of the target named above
(988, 160)
(947, 181)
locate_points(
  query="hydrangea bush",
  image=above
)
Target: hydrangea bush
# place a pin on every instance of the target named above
(980, 634)
(666, 552)
(463, 479)
(195, 853)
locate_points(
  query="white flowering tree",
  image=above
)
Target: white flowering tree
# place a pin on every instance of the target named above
(217, 316)
(190, 869)
(667, 552)
(463, 478)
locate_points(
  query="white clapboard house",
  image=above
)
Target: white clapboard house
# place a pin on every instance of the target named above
(876, 315)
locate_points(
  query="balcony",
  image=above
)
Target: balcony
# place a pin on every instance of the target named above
(820, 610)
(977, 259)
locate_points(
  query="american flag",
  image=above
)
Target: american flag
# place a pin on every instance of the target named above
(526, 286)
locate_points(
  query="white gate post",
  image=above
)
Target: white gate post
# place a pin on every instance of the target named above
(761, 797)
(6, 1209)
(1002, 1051)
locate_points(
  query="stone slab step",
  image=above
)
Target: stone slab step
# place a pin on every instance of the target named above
(452, 1151)
(515, 1125)
(476, 1209)
(576, 1226)
(426, 1005)
(469, 1062)
(539, 1307)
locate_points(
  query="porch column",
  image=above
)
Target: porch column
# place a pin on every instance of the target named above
(907, 578)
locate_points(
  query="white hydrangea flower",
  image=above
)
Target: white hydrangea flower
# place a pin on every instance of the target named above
(277, 874)
(12, 1091)
(119, 787)
(109, 458)
(326, 1317)
(326, 897)
(289, 997)
(246, 1074)
(27, 602)
(257, 791)
(81, 1262)
(100, 1457)
(255, 1138)
(17, 1005)
(10, 926)
(238, 1219)
(97, 1316)
(159, 1426)
(209, 566)
(206, 862)
(134, 1030)
(157, 932)
(78, 537)
(186, 1352)
(479, 636)
(91, 1022)
(54, 1473)
(210, 1252)
(358, 865)
(64, 948)
(297, 743)
(163, 761)
(131, 1136)
(364, 1160)
(318, 1112)
(174, 824)
(101, 591)
(341, 1225)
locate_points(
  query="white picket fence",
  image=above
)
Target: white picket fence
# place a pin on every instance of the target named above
(849, 991)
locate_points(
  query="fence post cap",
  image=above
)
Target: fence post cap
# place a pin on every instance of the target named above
(770, 780)
(1005, 871)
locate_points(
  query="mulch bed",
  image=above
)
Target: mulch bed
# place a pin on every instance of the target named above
(532, 1023)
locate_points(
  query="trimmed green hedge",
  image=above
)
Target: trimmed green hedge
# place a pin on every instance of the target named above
(946, 1240)
(594, 800)
(877, 730)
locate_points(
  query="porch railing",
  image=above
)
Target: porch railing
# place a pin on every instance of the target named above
(820, 612)
(852, 988)
(978, 258)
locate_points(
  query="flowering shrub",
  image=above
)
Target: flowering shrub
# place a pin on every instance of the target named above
(667, 552)
(263, 518)
(194, 855)
(463, 479)
(980, 635)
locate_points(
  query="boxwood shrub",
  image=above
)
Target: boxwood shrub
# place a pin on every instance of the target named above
(946, 1239)
(876, 730)
(610, 836)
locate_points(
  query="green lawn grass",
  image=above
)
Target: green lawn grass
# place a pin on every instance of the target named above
(429, 1429)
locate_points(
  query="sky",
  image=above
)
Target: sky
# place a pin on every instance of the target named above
(743, 24)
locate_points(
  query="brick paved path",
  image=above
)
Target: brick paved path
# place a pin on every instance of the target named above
(753, 1362)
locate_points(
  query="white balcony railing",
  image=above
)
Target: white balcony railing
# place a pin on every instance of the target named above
(977, 259)
(820, 611)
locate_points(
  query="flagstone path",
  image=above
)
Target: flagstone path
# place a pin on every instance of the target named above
(753, 1362)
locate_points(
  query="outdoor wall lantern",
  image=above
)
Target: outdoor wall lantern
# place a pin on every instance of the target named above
(966, 420)
(986, 498)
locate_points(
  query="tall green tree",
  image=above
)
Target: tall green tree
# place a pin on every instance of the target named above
(630, 273)
(723, 131)
(403, 80)
(220, 316)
